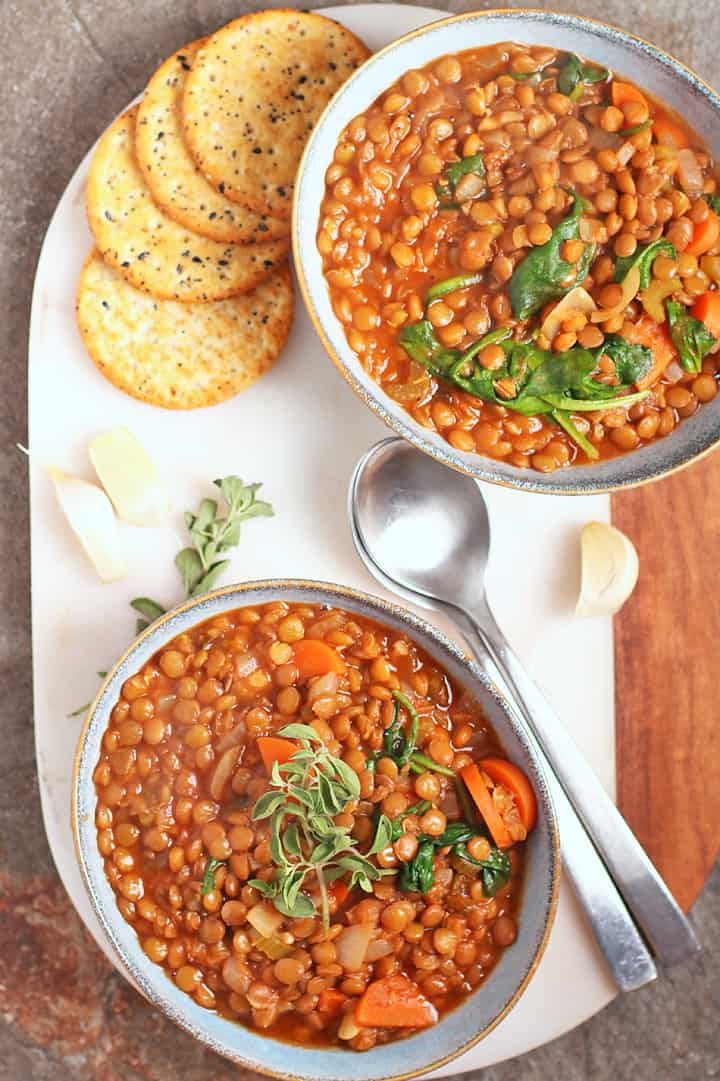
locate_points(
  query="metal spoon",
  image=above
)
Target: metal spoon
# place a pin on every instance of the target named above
(423, 531)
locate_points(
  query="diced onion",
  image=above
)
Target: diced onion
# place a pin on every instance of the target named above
(379, 947)
(348, 1029)
(630, 286)
(323, 687)
(223, 772)
(469, 187)
(128, 475)
(673, 373)
(90, 515)
(577, 300)
(689, 172)
(351, 945)
(232, 738)
(265, 918)
(625, 152)
(245, 664)
(609, 569)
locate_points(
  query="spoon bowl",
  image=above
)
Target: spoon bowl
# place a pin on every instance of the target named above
(427, 527)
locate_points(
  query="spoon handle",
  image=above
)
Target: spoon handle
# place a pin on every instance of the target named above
(620, 942)
(655, 910)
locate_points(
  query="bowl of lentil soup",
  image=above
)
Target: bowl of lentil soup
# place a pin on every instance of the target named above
(432, 903)
(516, 257)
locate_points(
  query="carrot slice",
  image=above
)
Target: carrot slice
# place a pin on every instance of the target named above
(275, 749)
(707, 309)
(656, 336)
(331, 1001)
(512, 777)
(315, 658)
(668, 132)
(705, 234)
(622, 92)
(394, 1002)
(484, 802)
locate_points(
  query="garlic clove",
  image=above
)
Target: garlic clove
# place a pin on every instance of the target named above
(609, 569)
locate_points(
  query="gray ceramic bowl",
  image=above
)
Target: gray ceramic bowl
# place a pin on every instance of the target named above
(406, 1058)
(647, 65)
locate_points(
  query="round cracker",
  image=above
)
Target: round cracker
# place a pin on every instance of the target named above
(175, 182)
(151, 250)
(181, 356)
(254, 94)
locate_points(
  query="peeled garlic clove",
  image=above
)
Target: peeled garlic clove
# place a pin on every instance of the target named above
(129, 477)
(90, 515)
(609, 569)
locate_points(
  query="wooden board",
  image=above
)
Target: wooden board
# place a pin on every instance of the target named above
(667, 696)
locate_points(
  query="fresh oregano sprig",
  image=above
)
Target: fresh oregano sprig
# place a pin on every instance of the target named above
(213, 535)
(305, 794)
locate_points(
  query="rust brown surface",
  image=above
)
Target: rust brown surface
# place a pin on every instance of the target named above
(666, 687)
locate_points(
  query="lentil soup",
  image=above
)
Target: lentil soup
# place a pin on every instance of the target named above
(524, 251)
(311, 826)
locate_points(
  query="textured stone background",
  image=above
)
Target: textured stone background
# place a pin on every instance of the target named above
(68, 66)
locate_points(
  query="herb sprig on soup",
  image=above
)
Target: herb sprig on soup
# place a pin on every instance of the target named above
(524, 250)
(311, 825)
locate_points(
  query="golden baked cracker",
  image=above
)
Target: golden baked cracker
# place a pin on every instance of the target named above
(181, 356)
(150, 249)
(175, 182)
(255, 92)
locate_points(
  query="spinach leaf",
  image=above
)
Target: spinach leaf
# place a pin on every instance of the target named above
(561, 372)
(208, 882)
(632, 362)
(636, 128)
(564, 421)
(417, 875)
(445, 187)
(419, 342)
(450, 285)
(418, 808)
(588, 405)
(691, 338)
(545, 383)
(394, 741)
(456, 833)
(397, 743)
(543, 275)
(573, 74)
(495, 869)
(523, 76)
(643, 258)
(421, 763)
(713, 201)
